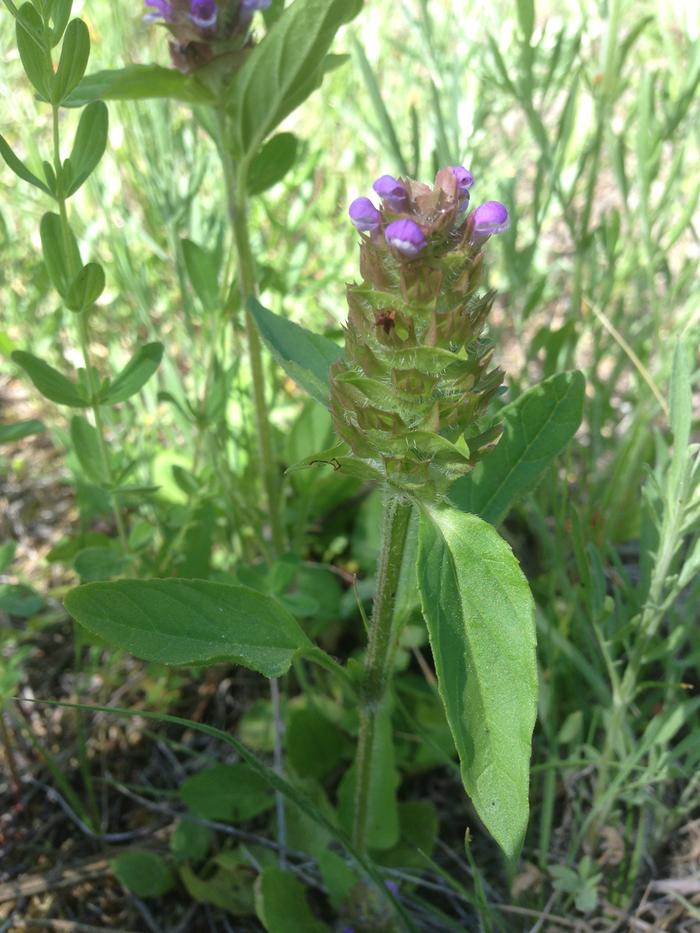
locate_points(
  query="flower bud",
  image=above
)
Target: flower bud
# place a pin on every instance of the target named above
(489, 218)
(162, 10)
(364, 215)
(392, 192)
(464, 177)
(406, 237)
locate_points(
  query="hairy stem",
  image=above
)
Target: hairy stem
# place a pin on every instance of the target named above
(382, 638)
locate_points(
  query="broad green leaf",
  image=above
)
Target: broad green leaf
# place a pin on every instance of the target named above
(35, 57)
(190, 622)
(480, 616)
(10, 433)
(282, 906)
(19, 600)
(418, 826)
(60, 255)
(86, 287)
(99, 563)
(227, 792)
(272, 163)
(89, 144)
(203, 272)
(138, 82)
(19, 168)
(314, 745)
(52, 384)
(86, 445)
(190, 841)
(303, 355)
(75, 53)
(135, 374)
(537, 426)
(227, 889)
(283, 70)
(143, 873)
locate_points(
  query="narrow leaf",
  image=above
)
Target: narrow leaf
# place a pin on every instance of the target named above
(75, 53)
(681, 397)
(281, 72)
(203, 272)
(11, 433)
(89, 144)
(138, 82)
(480, 617)
(32, 51)
(52, 384)
(303, 355)
(537, 426)
(19, 168)
(135, 374)
(176, 621)
(87, 449)
(60, 255)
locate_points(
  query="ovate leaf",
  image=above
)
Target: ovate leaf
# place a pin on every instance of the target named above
(52, 384)
(227, 792)
(537, 426)
(137, 82)
(35, 57)
(135, 374)
(143, 873)
(273, 162)
(282, 906)
(284, 68)
(480, 617)
(86, 287)
(303, 355)
(176, 621)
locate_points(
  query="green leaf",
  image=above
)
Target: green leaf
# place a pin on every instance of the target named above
(480, 616)
(190, 841)
(418, 823)
(89, 144)
(86, 287)
(229, 889)
(282, 905)
(36, 60)
(19, 168)
(232, 793)
(135, 374)
(60, 14)
(273, 162)
(19, 600)
(52, 384)
(190, 622)
(11, 433)
(304, 356)
(681, 397)
(139, 82)
(537, 426)
(75, 53)
(99, 563)
(526, 18)
(203, 272)
(143, 873)
(314, 745)
(60, 257)
(281, 72)
(86, 445)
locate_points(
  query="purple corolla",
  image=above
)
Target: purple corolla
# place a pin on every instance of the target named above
(406, 237)
(392, 192)
(364, 215)
(489, 217)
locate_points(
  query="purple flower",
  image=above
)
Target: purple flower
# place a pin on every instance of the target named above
(464, 177)
(406, 237)
(249, 6)
(392, 192)
(364, 215)
(393, 887)
(163, 10)
(490, 217)
(203, 13)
